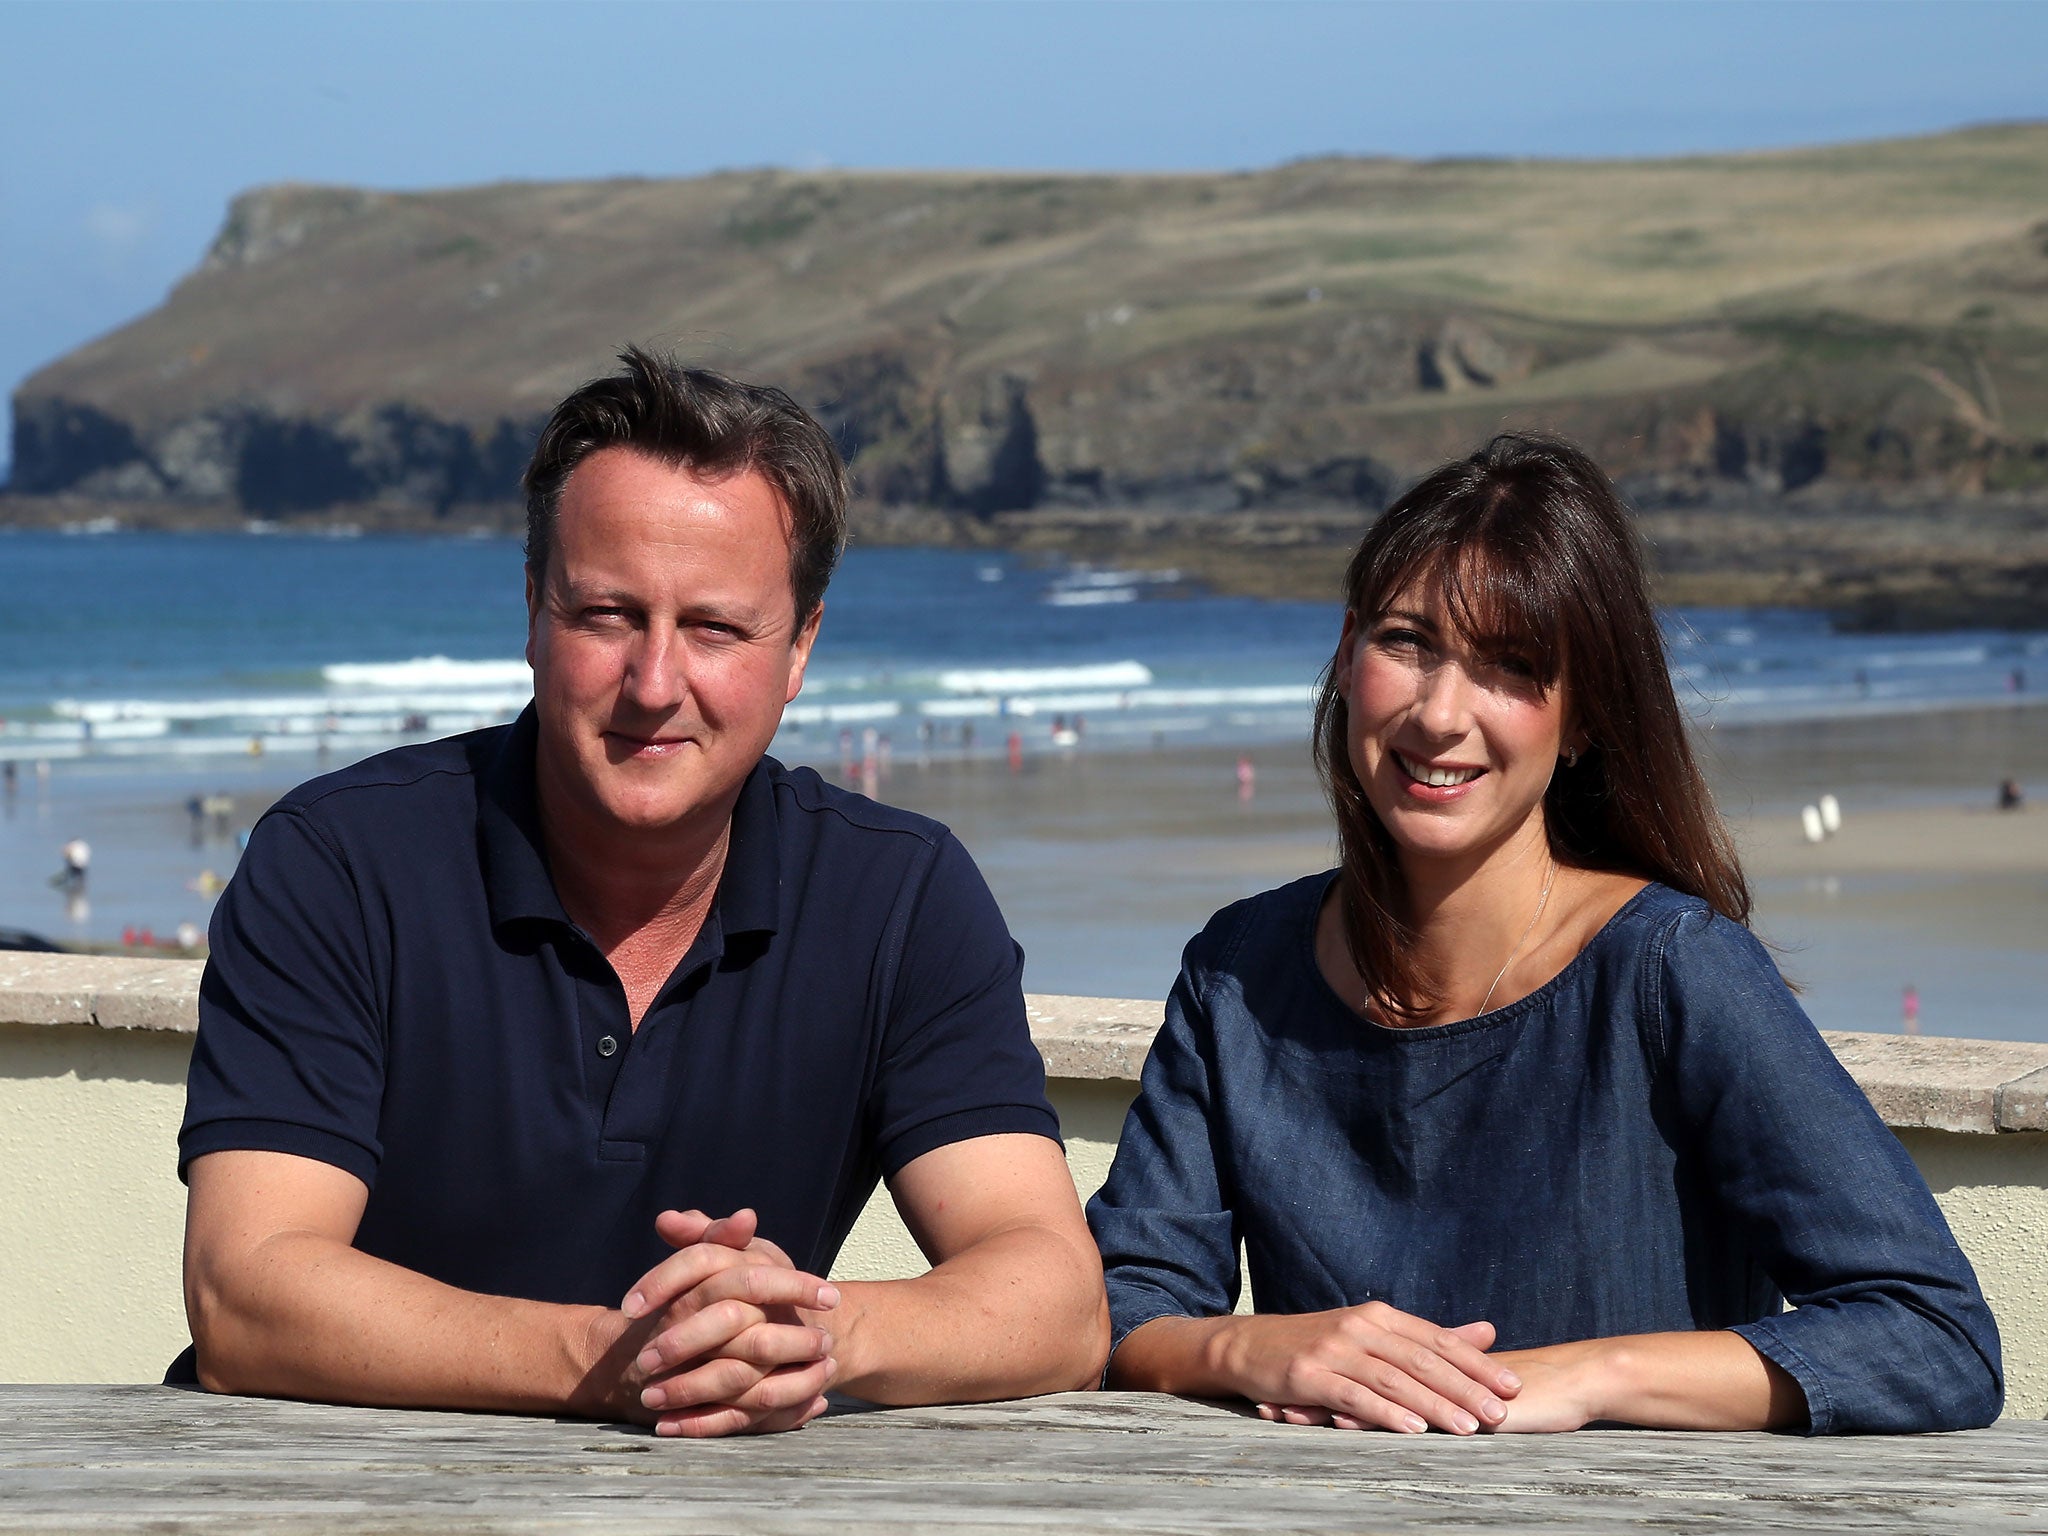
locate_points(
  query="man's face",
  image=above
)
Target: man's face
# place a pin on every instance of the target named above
(663, 641)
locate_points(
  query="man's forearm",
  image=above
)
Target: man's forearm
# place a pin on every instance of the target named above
(1020, 1313)
(301, 1315)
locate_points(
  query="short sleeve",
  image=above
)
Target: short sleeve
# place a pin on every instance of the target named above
(290, 1053)
(1887, 1330)
(957, 1057)
(1162, 1219)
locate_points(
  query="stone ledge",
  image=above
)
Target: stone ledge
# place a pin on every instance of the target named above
(1930, 1082)
(1937, 1083)
(1093, 1038)
(95, 989)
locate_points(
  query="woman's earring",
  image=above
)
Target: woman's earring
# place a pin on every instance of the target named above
(1571, 757)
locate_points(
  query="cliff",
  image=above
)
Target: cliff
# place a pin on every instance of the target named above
(1850, 332)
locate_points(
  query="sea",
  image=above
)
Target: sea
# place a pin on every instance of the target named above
(128, 649)
(157, 689)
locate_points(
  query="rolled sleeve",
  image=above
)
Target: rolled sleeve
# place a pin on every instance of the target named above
(290, 1052)
(1888, 1329)
(1162, 1219)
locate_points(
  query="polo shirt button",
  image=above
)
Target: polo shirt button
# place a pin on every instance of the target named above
(607, 1046)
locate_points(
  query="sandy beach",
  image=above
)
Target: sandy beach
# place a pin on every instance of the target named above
(1963, 841)
(1106, 862)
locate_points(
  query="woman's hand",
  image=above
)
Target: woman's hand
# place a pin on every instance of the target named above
(1564, 1386)
(1364, 1367)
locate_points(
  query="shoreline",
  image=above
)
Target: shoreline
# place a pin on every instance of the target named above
(1880, 721)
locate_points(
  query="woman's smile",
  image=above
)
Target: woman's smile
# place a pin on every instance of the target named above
(1435, 781)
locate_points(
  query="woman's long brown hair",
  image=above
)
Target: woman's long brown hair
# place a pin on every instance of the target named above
(1532, 554)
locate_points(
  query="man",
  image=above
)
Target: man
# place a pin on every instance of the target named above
(491, 1023)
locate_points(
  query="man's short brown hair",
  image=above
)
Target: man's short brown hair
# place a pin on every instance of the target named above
(710, 424)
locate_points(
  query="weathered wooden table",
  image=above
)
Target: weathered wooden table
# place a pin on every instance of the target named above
(158, 1459)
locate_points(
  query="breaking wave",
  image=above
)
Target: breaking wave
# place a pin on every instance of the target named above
(428, 672)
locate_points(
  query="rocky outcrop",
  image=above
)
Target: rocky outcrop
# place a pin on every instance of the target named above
(268, 465)
(1466, 355)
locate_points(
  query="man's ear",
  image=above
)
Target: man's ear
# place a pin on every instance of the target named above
(532, 612)
(800, 652)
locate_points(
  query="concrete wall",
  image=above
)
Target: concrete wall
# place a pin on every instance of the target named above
(1994, 1192)
(92, 1068)
(879, 1248)
(92, 1215)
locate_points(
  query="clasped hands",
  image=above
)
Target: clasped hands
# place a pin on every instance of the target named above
(715, 1341)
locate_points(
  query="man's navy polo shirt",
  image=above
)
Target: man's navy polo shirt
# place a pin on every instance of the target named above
(395, 989)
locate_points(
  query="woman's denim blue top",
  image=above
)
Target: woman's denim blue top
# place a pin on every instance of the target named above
(1656, 1140)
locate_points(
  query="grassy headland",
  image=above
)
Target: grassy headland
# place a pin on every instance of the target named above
(1823, 374)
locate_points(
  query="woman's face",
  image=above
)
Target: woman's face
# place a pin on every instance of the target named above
(1454, 746)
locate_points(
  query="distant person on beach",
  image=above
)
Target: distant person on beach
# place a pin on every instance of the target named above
(545, 1069)
(1516, 1123)
(77, 857)
(2010, 796)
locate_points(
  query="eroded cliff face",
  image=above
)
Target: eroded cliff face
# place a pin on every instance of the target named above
(267, 464)
(1309, 337)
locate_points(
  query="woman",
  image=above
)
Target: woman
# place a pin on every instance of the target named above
(1516, 1122)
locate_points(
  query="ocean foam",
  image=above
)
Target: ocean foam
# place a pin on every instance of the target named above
(1083, 576)
(1091, 597)
(428, 672)
(1110, 674)
(314, 706)
(1890, 661)
(959, 709)
(840, 714)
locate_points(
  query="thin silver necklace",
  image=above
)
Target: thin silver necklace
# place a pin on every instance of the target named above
(1534, 917)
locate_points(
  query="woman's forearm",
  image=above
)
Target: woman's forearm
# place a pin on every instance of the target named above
(1708, 1380)
(1183, 1355)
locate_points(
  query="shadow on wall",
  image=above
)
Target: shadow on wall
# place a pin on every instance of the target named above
(33, 1052)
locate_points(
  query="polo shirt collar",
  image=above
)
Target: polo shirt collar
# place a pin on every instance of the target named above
(516, 880)
(750, 890)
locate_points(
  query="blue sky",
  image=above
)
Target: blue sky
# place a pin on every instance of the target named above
(125, 128)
